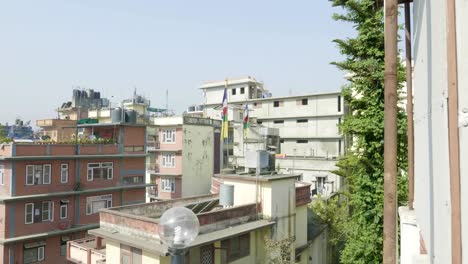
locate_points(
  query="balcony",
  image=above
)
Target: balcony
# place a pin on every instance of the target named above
(153, 145)
(89, 250)
(152, 191)
(152, 168)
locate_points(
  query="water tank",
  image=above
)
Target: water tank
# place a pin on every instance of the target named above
(226, 195)
(116, 115)
(130, 116)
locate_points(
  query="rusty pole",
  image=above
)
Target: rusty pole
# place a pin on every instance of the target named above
(409, 106)
(453, 133)
(390, 133)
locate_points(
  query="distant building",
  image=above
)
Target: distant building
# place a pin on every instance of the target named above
(228, 234)
(310, 142)
(183, 155)
(19, 130)
(82, 101)
(50, 193)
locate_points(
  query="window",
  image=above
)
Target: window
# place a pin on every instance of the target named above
(168, 185)
(130, 255)
(95, 203)
(63, 245)
(47, 211)
(168, 135)
(2, 175)
(278, 122)
(281, 140)
(38, 174)
(276, 103)
(339, 147)
(242, 90)
(301, 141)
(302, 121)
(305, 101)
(64, 173)
(259, 122)
(63, 211)
(339, 120)
(34, 254)
(339, 103)
(100, 171)
(168, 160)
(233, 91)
(29, 213)
(237, 247)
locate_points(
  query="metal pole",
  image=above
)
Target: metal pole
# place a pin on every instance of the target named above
(453, 132)
(390, 133)
(409, 106)
(177, 259)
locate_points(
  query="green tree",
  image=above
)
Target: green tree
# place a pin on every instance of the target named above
(363, 165)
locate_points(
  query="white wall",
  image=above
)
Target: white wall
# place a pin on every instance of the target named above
(432, 190)
(462, 50)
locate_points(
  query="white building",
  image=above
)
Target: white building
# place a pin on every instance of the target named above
(436, 231)
(308, 126)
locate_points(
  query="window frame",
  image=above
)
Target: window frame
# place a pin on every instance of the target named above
(50, 211)
(276, 103)
(91, 199)
(168, 185)
(164, 160)
(40, 254)
(64, 171)
(62, 206)
(42, 169)
(233, 91)
(2, 174)
(243, 243)
(26, 213)
(168, 136)
(242, 90)
(305, 101)
(108, 166)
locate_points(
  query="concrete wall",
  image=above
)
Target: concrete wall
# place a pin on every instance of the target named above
(197, 160)
(432, 189)
(301, 225)
(462, 50)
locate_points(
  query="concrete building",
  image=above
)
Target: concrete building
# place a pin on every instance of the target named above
(436, 231)
(51, 193)
(234, 234)
(183, 155)
(308, 127)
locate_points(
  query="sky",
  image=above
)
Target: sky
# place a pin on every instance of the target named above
(48, 47)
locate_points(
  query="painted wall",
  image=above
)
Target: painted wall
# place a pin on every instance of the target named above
(197, 160)
(318, 249)
(301, 225)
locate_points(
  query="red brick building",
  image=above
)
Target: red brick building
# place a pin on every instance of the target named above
(51, 193)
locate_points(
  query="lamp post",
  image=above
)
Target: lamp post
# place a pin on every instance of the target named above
(178, 228)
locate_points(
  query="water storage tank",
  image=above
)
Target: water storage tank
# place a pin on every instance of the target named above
(130, 116)
(116, 115)
(226, 195)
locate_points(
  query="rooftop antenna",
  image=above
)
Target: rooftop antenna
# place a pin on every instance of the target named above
(167, 101)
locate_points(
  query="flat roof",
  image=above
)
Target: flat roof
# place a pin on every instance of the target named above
(262, 178)
(156, 246)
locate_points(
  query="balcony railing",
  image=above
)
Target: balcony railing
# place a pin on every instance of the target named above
(152, 190)
(89, 250)
(152, 168)
(153, 145)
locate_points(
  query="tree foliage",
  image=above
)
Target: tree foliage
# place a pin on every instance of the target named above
(280, 251)
(363, 166)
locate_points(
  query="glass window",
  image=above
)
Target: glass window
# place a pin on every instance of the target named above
(2, 175)
(168, 160)
(63, 211)
(168, 185)
(38, 174)
(34, 254)
(168, 135)
(242, 90)
(100, 171)
(29, 213)
(64, 173)
(276, 103)
(305, 101)
(233, 91)
(47, 211)
(95, 203)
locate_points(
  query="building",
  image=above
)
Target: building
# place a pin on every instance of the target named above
(183, 155)
(232, 234)
(51, 193)
(436, 231)
(310, 142)
(19, 130)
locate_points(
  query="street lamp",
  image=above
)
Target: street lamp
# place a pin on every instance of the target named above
(178, 228)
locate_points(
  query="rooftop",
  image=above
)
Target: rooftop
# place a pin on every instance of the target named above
(214, 84)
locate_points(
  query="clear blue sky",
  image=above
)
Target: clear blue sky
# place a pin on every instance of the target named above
(112, 46)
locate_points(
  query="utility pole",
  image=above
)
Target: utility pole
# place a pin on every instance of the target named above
(390, 132)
